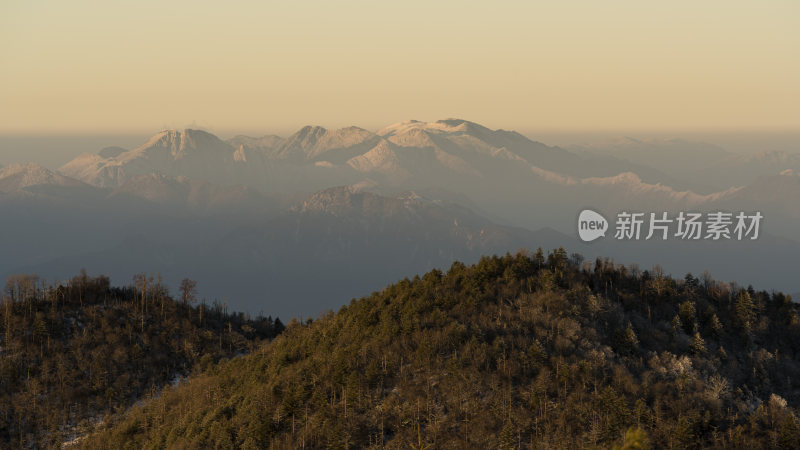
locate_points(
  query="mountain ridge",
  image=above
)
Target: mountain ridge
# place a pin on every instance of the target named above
(515, 351)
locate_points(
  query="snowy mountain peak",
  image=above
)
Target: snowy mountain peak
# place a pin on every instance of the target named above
(189, 152)
(165, 138)
(193, 139)
(300, 142)
(391, 129)
(453, 125)
(308, 134)
(440, 126)
(180, 143)
(381, 159)
(311, 142)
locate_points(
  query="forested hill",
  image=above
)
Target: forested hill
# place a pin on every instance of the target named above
(74, 353)
(513, 352)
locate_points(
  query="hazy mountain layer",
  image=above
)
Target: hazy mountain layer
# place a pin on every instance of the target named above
(189, 203)
(711, 167)
(307, 259)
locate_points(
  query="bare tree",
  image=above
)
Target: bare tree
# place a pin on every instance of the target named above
(141, 281)
(188, 291)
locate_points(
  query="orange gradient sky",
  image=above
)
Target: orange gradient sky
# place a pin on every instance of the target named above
(110, 66)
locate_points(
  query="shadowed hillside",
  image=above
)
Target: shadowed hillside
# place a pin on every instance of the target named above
(72, 354)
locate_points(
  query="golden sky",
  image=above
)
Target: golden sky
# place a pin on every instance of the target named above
(129, 66)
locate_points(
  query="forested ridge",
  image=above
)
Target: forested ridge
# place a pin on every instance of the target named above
(518, 351)
(74, 353)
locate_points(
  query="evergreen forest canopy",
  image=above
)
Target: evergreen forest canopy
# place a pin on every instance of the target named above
(518, 351)
(75, 353)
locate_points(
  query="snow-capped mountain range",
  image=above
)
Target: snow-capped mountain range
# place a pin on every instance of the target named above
(450, 188)
(496, 168)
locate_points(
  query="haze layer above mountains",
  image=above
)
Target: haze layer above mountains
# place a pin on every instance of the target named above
(346, 211)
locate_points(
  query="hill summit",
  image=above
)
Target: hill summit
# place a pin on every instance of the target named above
(519, 351)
